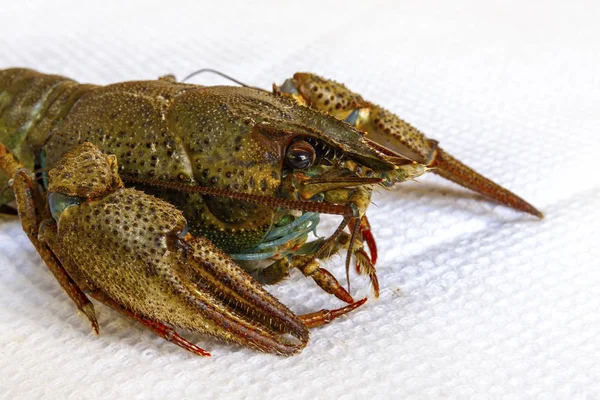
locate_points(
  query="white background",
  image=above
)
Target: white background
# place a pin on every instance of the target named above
(477, 301)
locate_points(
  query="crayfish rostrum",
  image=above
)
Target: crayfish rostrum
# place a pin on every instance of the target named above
(172, 203)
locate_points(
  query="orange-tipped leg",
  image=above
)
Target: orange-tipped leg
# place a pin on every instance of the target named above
(365, 264)
(323, 317)
(367, 235)
(322, 277)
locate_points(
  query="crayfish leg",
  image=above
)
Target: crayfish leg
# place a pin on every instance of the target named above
(29, 206)
(365, 266)
(367, 237)
(322, 317)
(273, 273)
(365, 263)
(309, 266)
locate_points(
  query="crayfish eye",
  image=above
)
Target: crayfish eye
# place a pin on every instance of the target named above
(300, 155)
(58, 202)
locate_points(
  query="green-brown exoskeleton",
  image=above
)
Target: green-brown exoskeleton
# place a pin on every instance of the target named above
(156, 192)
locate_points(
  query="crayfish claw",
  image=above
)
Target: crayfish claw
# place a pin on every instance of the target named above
(452, 169)
(392, 136)
(234, 306)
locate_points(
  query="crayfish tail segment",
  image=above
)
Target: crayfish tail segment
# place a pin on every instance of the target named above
(452, 169)
(322, 317)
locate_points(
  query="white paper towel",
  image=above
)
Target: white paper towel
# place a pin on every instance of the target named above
(477, 301)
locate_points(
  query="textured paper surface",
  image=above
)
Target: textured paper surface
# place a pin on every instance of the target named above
(477, 301)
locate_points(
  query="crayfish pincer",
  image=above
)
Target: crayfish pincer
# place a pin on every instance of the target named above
(130, 251)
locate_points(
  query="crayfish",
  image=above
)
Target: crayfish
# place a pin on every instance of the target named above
(173, 203)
